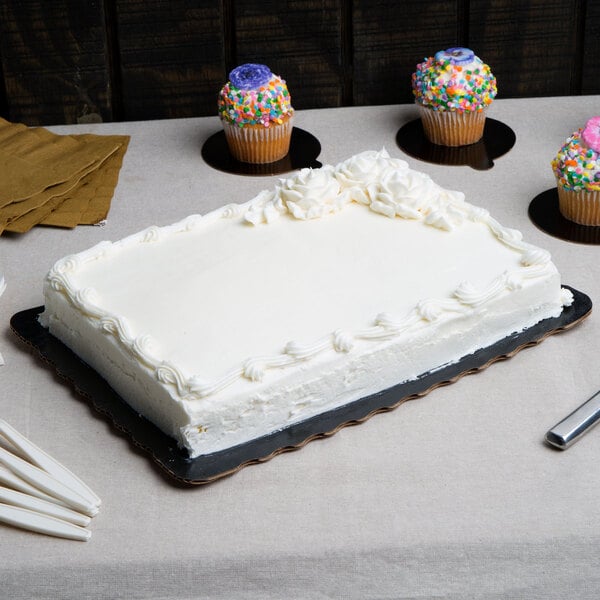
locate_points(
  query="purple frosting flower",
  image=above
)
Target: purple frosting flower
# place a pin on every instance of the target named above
(456, 56)
(250, 76)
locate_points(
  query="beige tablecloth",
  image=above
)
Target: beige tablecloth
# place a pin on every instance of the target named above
(451, 496)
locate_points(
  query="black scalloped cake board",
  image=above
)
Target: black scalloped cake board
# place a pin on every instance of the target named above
(498, 138)
(545, 215)
(175, 463)
(304, 150)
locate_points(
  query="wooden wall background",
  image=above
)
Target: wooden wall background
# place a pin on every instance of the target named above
(69, 61)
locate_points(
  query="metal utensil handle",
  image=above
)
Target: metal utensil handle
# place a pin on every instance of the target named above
(571, 428)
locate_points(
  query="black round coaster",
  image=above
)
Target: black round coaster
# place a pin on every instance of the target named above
(304, 149)
(544, 212)
(497, 140)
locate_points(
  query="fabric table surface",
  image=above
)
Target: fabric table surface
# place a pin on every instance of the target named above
(454, 495)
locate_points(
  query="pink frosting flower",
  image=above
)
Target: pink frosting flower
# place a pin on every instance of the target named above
(591, 134)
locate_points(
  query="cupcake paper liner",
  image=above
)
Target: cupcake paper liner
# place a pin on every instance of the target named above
(452, 128)
(258, 144)
(581, 207)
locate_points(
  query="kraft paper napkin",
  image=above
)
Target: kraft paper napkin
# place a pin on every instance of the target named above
(68, 205)
(32, 160)
(59, 180)
(89, 202)
(12, 212)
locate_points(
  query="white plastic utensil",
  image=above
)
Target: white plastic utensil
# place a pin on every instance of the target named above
(8, 478)
(42, 506)
(44, 461)
(47, 483)
(34, 521)
(42, 495)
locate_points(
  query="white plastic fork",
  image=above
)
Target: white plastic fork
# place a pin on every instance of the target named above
(47, 483)
(42, 494)
(14, 498)
(34, 521)
(8, 478)
(44, 461)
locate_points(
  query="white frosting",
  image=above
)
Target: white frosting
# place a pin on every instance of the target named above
(384, 184)
(225, 327)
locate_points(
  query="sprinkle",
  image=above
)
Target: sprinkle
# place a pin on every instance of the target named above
(576, 167)
(444, 86)
(269, 102)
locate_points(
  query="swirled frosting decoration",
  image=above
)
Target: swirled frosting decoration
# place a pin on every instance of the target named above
(577, 164)
(456, 56)
(250, 76)
(454, 79)
(591, 134)
(254, 96)
(386, 185)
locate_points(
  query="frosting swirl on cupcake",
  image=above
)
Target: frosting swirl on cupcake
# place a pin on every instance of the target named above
(254, 96)
(250, 76)
(591, 134)
(577, 164)
(454, 79)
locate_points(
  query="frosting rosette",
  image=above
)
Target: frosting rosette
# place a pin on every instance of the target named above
(454, 80)
(310, 194)
(577, 163)
(250, 76)
(385, 184)
(254, 96)
(456, 56)
(591, 134)
(360, 172)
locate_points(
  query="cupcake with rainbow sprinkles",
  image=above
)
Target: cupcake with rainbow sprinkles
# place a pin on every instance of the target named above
(256, 113)
(453, 89)
(577, 171)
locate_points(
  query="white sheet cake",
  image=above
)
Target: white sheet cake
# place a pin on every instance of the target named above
(338, 283)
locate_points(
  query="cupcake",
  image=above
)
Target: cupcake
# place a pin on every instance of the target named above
(256, 113)
(453, 90)
(577, 171)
